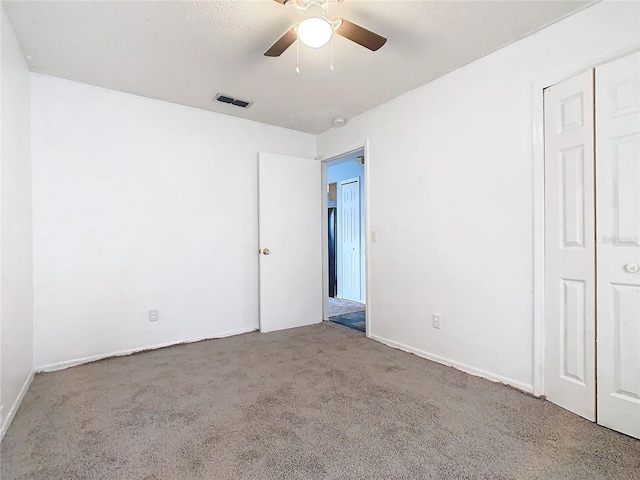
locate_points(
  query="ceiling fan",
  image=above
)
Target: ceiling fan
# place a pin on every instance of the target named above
(316, 29)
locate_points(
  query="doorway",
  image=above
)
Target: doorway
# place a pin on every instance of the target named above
(346, 240)
(592, 244)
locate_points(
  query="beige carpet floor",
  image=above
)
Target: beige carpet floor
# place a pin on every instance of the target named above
(342, 306)
(320, 402)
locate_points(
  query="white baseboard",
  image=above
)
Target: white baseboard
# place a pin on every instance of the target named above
(52, 367)
(457, 365)
(14, 408)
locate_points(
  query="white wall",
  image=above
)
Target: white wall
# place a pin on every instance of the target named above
(450, 180)
(16, 285)
(140, 204)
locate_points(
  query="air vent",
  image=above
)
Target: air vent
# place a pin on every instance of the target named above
(221, 97)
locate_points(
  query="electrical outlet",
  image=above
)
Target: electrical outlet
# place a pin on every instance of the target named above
(153, 315)
(374, 236)
(436, 321)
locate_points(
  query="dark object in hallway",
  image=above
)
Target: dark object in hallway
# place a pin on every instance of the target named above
(333, 280)
(357, 321)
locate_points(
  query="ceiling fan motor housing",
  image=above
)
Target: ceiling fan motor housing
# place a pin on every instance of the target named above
(340, 26)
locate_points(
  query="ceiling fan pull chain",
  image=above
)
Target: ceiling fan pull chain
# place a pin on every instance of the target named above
(331, 66)
(298, 56)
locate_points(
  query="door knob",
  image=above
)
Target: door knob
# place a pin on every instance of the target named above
(631, 267)
(266, 251)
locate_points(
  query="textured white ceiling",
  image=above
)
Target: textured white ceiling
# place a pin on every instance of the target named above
(185, 51)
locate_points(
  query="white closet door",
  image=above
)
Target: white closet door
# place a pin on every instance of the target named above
(349, 238)
(570, 247)
(618, 237)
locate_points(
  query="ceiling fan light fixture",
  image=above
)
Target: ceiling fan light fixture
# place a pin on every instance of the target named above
(315, 32)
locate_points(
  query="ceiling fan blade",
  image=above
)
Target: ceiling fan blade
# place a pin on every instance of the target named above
(284, 42)
(360, 35)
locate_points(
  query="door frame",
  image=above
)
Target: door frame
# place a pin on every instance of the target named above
(325, 159)
(537, 97)
(339, 250)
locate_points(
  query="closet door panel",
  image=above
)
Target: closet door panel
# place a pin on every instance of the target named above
(570, 247)
(618, 243)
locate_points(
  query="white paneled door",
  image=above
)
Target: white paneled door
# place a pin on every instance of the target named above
(290, 230)
(592, 257)
(618, 237)
(569, 376)
(349, 240)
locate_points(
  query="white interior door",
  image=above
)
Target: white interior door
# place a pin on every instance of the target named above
(349, 239)
(290, 232)
(569, 375)
(618, 237)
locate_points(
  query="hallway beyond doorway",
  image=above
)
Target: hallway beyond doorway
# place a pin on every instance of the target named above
(355, 321)
(348, 313)
(346, 240)
(341, 306)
